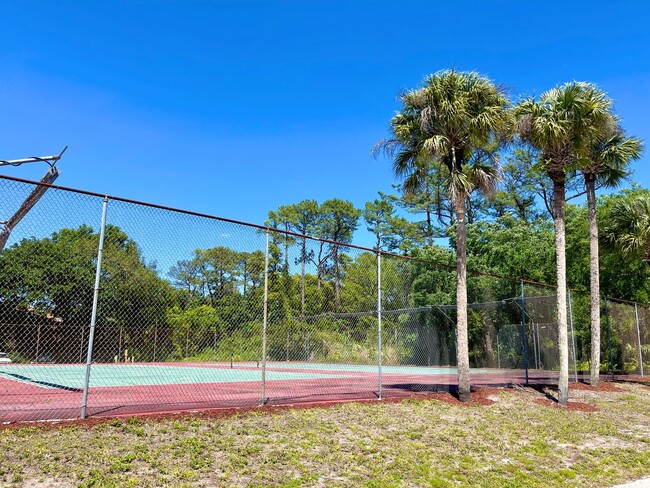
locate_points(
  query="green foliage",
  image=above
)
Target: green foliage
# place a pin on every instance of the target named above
(512, 247)
(391, 232)
(609, 155)
(622, 275)
(54, 276)
(434, 284)
(191, 327)
(627, 229)
(562, 123)
(519, 188)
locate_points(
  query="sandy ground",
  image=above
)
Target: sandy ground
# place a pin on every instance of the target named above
(645, 483)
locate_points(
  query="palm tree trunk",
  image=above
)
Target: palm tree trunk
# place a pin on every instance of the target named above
(594, 280)
(462, 343)
(560, 255)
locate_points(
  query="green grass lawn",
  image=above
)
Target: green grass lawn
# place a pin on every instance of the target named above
(513, 442)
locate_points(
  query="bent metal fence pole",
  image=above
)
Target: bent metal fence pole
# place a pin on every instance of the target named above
(379, 321)
(263, 400)
(638, 338)
(93, 318)
(573, 339)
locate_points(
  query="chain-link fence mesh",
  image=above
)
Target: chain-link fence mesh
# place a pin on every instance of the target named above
(46, 295)
(624, 340)
(195, 312)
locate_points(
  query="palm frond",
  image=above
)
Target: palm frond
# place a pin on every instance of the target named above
(454, 122)
(629, 227)
(609, 155)
(484, 178)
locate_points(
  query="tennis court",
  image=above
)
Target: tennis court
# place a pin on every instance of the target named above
(162, 335)
(71, 376)
(49, 391)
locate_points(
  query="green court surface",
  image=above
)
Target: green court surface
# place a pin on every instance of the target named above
(71, 376)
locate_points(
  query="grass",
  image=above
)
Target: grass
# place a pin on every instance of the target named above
(514, 442)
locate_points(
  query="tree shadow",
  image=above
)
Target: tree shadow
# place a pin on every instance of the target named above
(543, 390)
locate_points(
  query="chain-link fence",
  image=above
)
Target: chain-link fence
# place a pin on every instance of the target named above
(109, 306)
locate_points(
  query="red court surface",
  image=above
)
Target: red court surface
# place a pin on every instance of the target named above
(22, 401)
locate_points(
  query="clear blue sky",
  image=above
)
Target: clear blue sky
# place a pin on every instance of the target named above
(234, 108)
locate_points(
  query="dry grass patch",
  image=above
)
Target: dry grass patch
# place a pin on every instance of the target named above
(513, 441)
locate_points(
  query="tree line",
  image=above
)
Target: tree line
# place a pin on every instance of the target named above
(496, 180)
(452, 129)
(209, 305)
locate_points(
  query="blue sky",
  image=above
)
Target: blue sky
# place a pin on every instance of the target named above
(234, 108)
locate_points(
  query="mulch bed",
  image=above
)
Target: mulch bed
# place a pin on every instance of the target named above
(602, 386)
(479, 398)
(575, 406)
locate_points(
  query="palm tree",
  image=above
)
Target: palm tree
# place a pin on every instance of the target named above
(605, 164)
(446, 128)
(629, 227)
(561, 124)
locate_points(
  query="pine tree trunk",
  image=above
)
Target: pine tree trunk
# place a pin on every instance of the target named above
(302, 278)
(337, 284)
(319, 266)
(594, 280)
(462, 343)
(560, 255)
(286, 250)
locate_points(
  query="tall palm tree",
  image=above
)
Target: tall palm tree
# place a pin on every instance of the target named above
(446, 127)
(561, 124)
(605, 164)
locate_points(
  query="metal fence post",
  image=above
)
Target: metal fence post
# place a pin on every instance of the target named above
(533, 331)
(523, 326)
(498, 352)
(214, 342)
(81, 345)
(609, 339)
(573, 338)
(263, 399)
(38, 343)
(379, 322)
(155, 340)
(638, 337)
(93, 319)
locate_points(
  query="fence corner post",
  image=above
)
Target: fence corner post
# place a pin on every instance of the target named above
(523, 326)
(573, 338)
(263, 398)
(379, 358)
(609, 339)
(638, 338)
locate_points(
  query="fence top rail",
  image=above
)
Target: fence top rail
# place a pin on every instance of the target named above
(292, 234)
